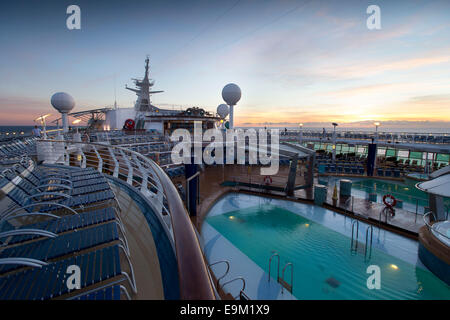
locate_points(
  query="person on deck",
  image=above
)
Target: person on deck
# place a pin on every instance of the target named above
(36, 132)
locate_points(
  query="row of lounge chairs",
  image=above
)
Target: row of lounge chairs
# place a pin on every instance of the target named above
(445, 139)
(56, 218)
(388, 172)
(173, 172)
(354, 169)
(151, 148)
(120, 137)
(13, 151)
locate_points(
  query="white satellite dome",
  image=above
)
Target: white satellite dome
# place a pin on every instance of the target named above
(63, 102)
(231, 94)
(223, 110)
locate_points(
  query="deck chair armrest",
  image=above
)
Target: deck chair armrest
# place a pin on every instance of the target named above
(19, 232)
(27, 214)
(47, 179)
(43, 194)
(23, 261)
(10, 213)
(55, 174)
(59, 185)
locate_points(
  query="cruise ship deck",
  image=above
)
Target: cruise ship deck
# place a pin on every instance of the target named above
(110, 226)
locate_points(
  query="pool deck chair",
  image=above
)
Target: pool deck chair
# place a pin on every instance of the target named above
(50, 281)
(64, 244)
(59, 224)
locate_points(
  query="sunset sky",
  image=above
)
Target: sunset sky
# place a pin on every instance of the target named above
(295, 61)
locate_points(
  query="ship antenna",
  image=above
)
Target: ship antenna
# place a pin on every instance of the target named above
(115, 96)
(146, 67)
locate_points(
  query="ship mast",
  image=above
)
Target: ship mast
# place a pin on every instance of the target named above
(143, 91)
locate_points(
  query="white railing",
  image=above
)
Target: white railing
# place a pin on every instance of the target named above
(118, 162)
(400, 137)
(426, 219)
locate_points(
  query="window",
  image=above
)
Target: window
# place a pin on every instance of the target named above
(415, 155)
(443, 157)
(391, 153)
(403, 153)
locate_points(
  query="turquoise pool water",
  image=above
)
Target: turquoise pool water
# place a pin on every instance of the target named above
(412, 197)
(324, 266)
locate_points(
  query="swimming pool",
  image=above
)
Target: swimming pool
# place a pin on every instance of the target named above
(413, 198)
(317, 241)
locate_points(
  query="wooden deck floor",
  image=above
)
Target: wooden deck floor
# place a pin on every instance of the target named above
(144, 256)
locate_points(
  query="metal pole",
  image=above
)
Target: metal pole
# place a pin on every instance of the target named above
(231, 122)
(417, 208)
(334, 145)
(198, 189)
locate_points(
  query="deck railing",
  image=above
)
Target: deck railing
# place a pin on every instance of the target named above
(427, 221)
(400, 137)
(152, 182)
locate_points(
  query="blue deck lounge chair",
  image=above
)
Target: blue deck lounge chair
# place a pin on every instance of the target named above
(49, 281)
(68, 243)
(62, 224)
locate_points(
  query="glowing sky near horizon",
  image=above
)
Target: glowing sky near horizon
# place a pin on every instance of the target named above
(295, 61)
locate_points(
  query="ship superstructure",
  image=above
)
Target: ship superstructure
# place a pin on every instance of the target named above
(146, 116)
(144, 92)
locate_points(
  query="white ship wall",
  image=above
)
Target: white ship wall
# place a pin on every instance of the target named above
(115, 119)
(154, 125)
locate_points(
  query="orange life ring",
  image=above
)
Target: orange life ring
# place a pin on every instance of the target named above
(267, 180)
(389, 204)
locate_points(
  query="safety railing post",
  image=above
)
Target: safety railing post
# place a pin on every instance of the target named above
(417, 210)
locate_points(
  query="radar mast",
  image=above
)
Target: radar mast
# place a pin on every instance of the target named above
(143, 91)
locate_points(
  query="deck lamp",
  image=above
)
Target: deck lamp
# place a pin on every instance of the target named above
(334, 141)
(43, 123)
(301, 132)
(76, 121)
(377, 124)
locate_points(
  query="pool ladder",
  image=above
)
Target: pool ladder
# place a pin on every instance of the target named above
(280, 280)
(226, 271)
(241, 295)
(354, 242)
(368, 244)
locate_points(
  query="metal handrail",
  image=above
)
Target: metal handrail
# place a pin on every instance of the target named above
(226, 272)
(369, 228)
(235, 279)
(354, 248)
(275, 254)
(292, 277)
(194, 279)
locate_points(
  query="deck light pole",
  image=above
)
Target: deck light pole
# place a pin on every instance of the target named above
(377, 124)
(334, 142)
(301, 133)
